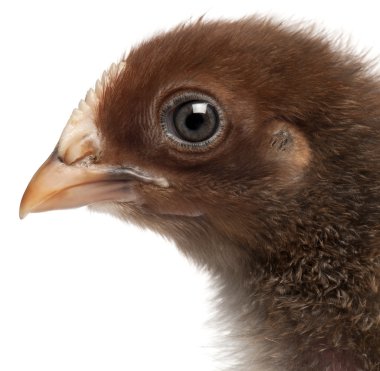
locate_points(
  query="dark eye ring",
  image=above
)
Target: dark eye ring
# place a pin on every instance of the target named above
(192, 119)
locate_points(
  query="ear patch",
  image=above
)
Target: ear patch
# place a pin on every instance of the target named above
(287, 145)
(281, 140)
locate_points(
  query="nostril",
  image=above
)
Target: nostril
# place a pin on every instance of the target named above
(83, 152)
(85, 161)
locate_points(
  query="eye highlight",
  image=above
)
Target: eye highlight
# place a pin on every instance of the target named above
(192, 119)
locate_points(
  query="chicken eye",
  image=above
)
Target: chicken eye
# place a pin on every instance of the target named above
(195, 121)
(192, 119)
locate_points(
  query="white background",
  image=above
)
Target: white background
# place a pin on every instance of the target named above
(83, 291)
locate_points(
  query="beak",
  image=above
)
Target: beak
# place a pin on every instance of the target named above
(70, 177)
(59, 186)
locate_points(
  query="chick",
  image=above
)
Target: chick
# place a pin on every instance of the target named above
(255, 147)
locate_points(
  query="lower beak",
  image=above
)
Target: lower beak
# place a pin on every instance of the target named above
(59, 186)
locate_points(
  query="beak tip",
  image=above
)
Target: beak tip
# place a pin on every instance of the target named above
(25, 207)
(22, 212)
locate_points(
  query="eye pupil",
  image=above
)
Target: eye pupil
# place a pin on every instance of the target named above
(194, 121)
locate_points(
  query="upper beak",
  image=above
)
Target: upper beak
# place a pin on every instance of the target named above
(70, 177)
